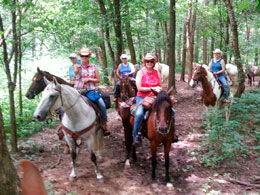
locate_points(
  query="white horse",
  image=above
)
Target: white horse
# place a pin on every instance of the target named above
(212, 92)
(163, 70)
(232, 72)
(79, 121)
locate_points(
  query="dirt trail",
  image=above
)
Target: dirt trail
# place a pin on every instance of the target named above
(188, 175)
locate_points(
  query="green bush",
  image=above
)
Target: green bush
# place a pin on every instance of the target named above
(233, 140)
(25, 124)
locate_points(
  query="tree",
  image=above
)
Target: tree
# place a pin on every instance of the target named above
(172, 34)
(11, 79)
(233, 23)
(9, 181)
(118, 30)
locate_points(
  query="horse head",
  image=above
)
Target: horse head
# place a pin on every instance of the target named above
(37, 85)
(50, 99)
(199, 73)
(126, 89)
(163, 111)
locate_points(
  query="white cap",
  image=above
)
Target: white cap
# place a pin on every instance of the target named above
(123, 56)
(73, 55)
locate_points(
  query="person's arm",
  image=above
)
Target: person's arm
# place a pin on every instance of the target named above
(139, 83)
(210, 65)
(118, 71)
(76, 68)
(94, 80)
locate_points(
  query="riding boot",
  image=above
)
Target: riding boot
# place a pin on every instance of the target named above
(104, 128)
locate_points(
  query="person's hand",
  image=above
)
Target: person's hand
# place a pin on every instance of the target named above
(215, 73)
(157, 89)
(86, 80)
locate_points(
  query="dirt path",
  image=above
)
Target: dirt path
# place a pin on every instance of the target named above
(188, 175)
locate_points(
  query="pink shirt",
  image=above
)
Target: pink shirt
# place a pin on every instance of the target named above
(149, 79)
(85, 72)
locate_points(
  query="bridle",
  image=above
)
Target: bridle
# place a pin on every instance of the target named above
(41, 84)
(60, 95)
(169, 122)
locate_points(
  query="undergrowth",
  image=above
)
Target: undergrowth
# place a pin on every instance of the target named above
(25, 124)
(232, 141)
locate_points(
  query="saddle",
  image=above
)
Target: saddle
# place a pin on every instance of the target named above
(221, 85)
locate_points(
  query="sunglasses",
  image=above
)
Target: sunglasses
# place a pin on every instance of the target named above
(148, 61)
(84, 56)
(124, 58)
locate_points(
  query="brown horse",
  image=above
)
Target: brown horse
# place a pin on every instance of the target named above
(38, 83)
(127, 89)
(160, 128)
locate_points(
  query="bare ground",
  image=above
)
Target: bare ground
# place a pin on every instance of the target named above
(187, 174)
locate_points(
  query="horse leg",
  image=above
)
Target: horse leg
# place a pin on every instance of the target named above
(167, 147)
(128, 140)
(73, 153)
(94, 160)
(153, 152)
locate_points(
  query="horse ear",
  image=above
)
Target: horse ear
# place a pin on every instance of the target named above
(46, 80)
(55, 81)
(154, 92)
(170, 90)
(39, 71)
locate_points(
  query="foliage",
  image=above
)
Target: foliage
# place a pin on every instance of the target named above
(230, 141)
(26, 126)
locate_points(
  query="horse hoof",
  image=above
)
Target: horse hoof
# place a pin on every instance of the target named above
(127, 164)
(169, 185)
(100, 178)
(72, 178)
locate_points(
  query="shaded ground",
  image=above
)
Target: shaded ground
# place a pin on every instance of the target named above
(188, 175)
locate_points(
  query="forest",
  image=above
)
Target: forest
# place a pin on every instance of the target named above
(218, 149)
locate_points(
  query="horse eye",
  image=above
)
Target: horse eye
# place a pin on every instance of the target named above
(52, 96)
(38, 81)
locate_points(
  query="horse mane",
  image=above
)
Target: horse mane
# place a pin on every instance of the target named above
(162, 96)
(60, 80)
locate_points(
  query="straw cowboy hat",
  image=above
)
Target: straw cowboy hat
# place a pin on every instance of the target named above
(149, 56)
(123, 56)
(84, 51)
(217, 51)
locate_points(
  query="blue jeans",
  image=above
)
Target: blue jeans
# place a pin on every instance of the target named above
(139, 115)
(117, 89)
(223, 80)
(102, 106)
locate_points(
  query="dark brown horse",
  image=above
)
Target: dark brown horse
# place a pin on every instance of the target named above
(38, 83)
(160, 128)
(127, 89)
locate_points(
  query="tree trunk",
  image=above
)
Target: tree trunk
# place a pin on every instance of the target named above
(205, 41)
(118, 31)
(211, 48)
(225, 57)
(140, 47)
(256, 56)
(111, 52)
(130, 42)
(196, 53)
(190, 40)
(184, 51)
(248, 29)
(172, 61)
(233, 23)
(167, 41)
(179, 48)
(157, 43)
(9, 181)
(103, 54)
(20, 69)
